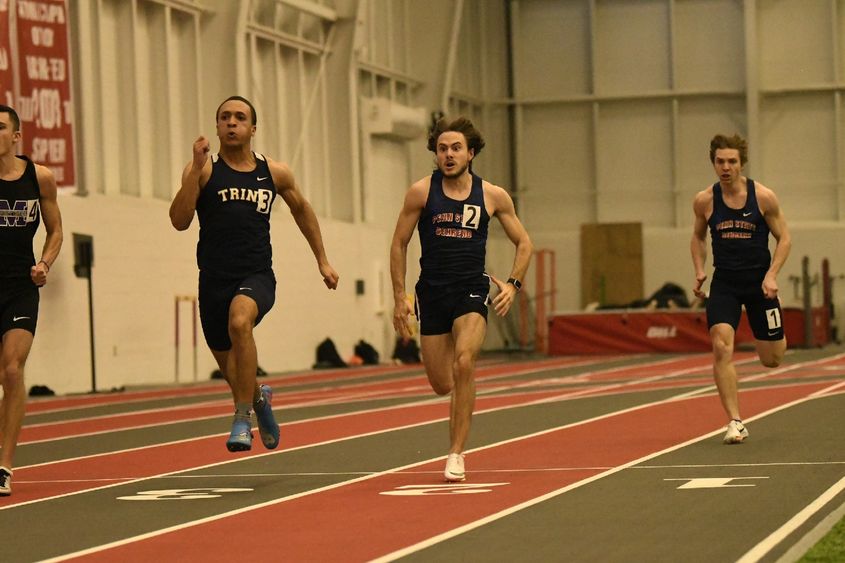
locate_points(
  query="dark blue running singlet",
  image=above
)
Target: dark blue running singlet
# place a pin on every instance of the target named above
(740, 237)
(20, 216)
(234, 214)
(453, 234)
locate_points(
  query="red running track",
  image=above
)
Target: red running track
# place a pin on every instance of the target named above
(400, 387)
(114, 468)
(383, 525)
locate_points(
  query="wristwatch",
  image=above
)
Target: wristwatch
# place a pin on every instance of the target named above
(516, 283)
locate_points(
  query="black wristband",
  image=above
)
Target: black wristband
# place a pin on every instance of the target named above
(516, 283)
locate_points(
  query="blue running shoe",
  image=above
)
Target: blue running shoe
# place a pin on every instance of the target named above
(267, 426)
(240, 440)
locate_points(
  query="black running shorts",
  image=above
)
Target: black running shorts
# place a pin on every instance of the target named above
(730, 290)
(18, 304)
(437, 307)
(215, 296)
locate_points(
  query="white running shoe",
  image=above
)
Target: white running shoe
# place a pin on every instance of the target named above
(5, 481)
(737, 432)
(454, 468)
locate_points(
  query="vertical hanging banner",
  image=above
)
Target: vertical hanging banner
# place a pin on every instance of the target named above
(44, 95)
(7, 76)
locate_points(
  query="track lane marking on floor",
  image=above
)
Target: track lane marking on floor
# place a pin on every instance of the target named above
(48, 405)
(295, 399)
(141, 543)
(424, 390)
(766, 374)
(219, 461)
(475, 471)
(471, 526)
(377, 419)
(761, 549)
(812, 537)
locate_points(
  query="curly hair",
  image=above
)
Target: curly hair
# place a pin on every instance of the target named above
(460, 125)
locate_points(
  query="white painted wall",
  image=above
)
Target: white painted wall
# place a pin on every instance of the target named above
(611, 126)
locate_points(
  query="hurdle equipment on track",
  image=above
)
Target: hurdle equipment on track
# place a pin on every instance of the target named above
(178, 300)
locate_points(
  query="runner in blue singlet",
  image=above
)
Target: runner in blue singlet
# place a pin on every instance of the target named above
(739, 214)
(27, 196)
(452, 209)
(232, 194)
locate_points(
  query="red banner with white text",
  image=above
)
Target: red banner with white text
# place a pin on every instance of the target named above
(43, 99)
(7, 76)
(664, 331)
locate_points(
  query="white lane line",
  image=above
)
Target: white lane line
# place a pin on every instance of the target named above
(729, 465)
(345, 395)
(836, 389)
(424, 396)
(569, 396)
(761, 549)
(435, 539)
(475, 470)
(431, 420)
(812, 537)
(501, 514)
(170, 392)
(763, 375)
(276, 475)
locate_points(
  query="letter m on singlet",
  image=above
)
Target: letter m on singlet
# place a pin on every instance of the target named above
(14, 215)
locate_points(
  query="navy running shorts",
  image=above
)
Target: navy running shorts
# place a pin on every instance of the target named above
(437, 307)
(215, 296)
(19, 299)
(730, 290)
